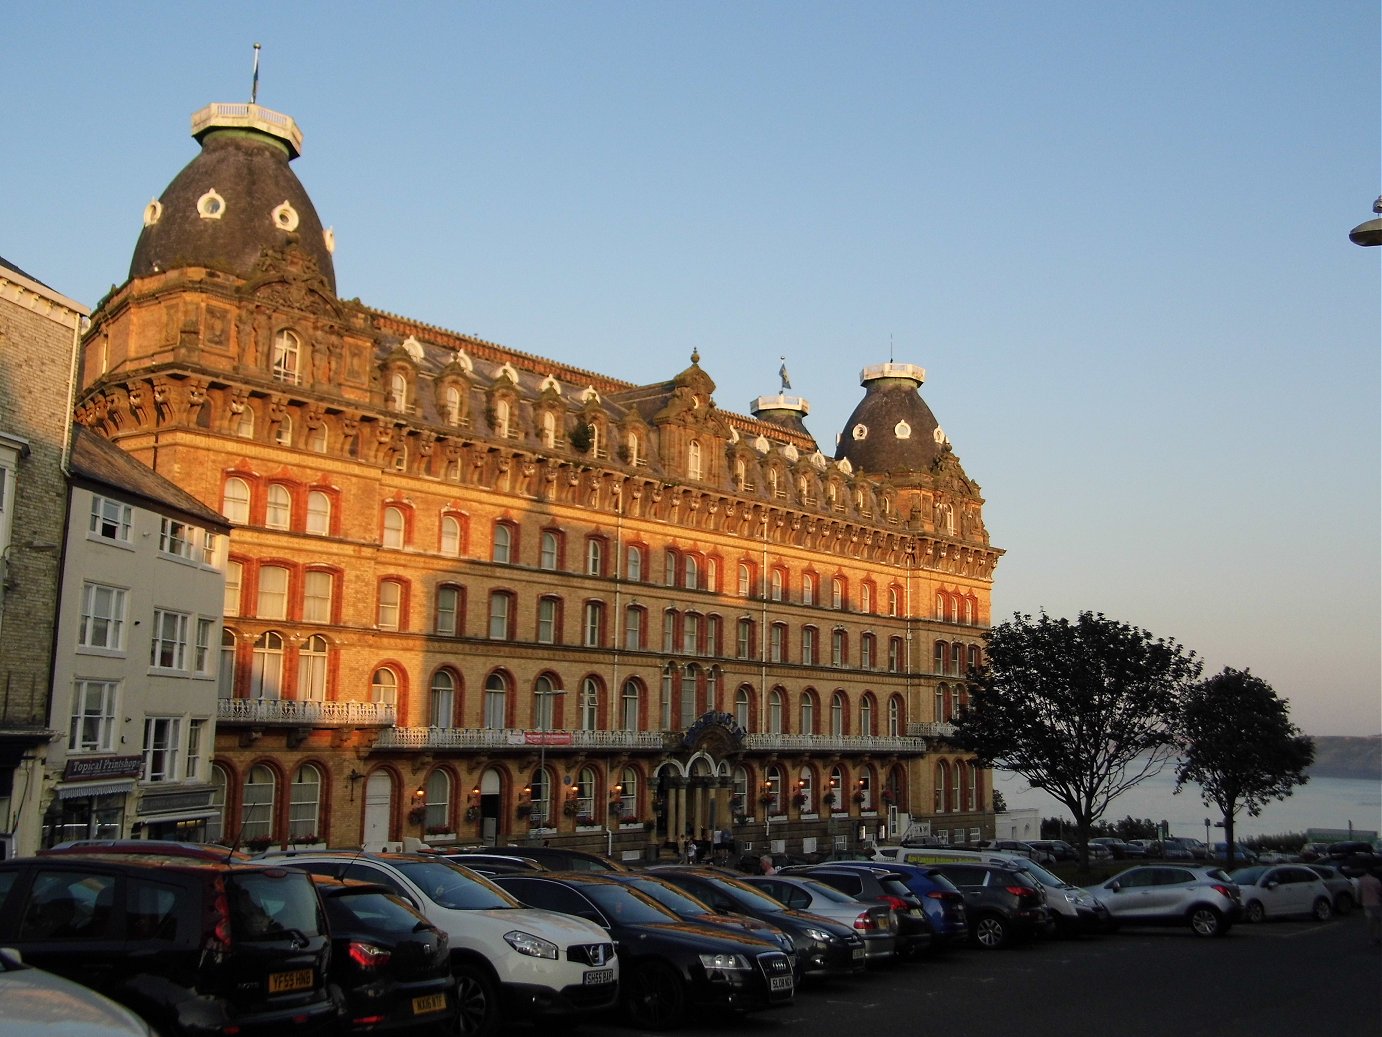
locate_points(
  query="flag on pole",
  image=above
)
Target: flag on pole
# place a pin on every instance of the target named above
(254, 85)
(782, 373)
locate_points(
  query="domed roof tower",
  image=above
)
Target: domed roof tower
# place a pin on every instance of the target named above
(237, 198)
(892, 431)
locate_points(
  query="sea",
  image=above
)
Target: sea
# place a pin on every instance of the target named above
(1339, 805)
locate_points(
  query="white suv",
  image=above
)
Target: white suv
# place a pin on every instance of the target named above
(510, 962)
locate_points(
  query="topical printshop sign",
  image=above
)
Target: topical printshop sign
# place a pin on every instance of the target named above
(86, 768)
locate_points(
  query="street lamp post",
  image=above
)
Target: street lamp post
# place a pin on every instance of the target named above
(544, 719)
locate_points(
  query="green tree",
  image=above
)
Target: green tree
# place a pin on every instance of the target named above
(1239, 746)
(1082, 709)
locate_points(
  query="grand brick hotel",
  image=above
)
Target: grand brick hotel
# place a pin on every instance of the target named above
(478, 595)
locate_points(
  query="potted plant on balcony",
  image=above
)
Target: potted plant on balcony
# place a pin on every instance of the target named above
(259, 843)
(798, 799)
(472, 813)
(569, 808)
(859, 796)
(828, 798)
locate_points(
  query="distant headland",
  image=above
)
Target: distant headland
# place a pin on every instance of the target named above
(1342, 757)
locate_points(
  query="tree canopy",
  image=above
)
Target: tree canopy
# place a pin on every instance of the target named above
(1239, 746)
(1083, 709)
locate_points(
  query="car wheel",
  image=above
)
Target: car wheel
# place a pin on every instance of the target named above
(1255, 912)
(992, 932)
(1205, 921)
(1323, 912)
(477, 1002)
(1343, 904)
(654, 996)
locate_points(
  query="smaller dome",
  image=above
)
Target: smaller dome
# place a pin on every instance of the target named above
(892, 430)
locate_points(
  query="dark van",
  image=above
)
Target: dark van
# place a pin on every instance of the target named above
(195, 946)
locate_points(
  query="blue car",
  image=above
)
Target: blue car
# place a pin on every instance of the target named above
(943, 903)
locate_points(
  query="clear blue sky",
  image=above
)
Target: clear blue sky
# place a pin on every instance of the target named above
(1114, 233)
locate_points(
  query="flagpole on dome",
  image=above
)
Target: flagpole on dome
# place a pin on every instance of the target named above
(254, 83)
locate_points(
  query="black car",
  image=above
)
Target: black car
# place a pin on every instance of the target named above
(559, 858)
(392, 965)
(824, 948)
(195, 946)
(943, 904)
(879, 886)
(1001, 902)
(667, 965)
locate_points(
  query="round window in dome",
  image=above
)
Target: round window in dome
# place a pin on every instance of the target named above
(902, 430)
(211, 206)
(153, 212)
(285, 217)
(860, 431)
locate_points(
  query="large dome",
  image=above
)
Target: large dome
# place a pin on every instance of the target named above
(892, 430)
(235, 199)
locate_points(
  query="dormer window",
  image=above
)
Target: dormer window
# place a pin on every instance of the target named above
(693, 460)
(398, 391)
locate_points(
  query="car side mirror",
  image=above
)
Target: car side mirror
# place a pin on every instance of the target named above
(1115, 886)
(1273, 884)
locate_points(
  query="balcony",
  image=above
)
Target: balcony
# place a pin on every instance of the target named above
(835, 743)
(295, 713)
(512, 738)
(932, 729)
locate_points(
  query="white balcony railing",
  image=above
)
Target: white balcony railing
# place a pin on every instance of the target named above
(835, 743)
(499, 738)
(299, 713)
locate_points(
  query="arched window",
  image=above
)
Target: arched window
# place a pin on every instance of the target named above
(547, 620)
(585, 796)
(501, 419)
(273, 592)
(390, 611)
(283, 433)
(712, 575)
(544, 704)
(450, 535)
(384, 687)
(215, 824)
(743, 638)
(633, 627)
(893, 604)
(808, 589)
(502, 548)
(865, 597)
(775, 711)
(225, 673)
(952, 798)
(894, 716)
(634, 564)
(690, 633)
(540, 796)
(316, 439)
(443, 699)
(287, 351)
(593, 624)
(398, 391)
(500, 615)
(941, 771)
(628, 706)
(448, 616)
(837, 593)
(838, 654)
(628, 793)
(266, 673)
(837, 714)
(808, 712)
(691, 573)
(318, 513)
(452, 405)
(805, 793)
(312, 657)
(665, 703)
(745, 580)
(549, 550)
(235, 501)
(304, 805)
(712, 689)
(496, 702)
(278, 513)
(776, 582)
(595, 557)
(635, 457)
(866, 716)
(437, 818)
(771, 795)
(693, 460)
(257, 804)
(235, 580)
(742, 710)
(244, 422)
(549, 429)
(894, 655)
(394, 527)
(669, 568)
(588, 713)
(867, 648)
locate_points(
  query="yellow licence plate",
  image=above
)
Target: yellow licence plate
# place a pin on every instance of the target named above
(430, 1003)
(283, 982)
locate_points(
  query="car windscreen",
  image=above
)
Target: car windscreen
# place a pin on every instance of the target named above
(823, 892)
(624, 905)
(265, 904)
(669, 896)
(448, 885)
(1247, 876)
(1043, 876)
(748, 896)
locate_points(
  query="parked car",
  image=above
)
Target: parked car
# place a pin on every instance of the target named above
(824, 948)
(879, 885)
(691, 908)
(34, 1003)
(1340, 886)
(1120, 849)
(508, 962)
(1098, 851)
(1059, 849)
(943, 904)
(1024, 847)
(392, 965)
(1205, 899)
(1001, 903)
(1175, 848)
(1281, 891)
(1353, 857)
(1241, 854)
(563, 858)
(193, 946)
(669, 965)
(493, 863)
(165, 847)
(875, 923)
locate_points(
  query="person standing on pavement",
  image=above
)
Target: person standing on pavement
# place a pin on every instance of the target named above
(1370, 895)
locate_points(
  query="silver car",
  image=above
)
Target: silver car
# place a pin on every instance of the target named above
(36, 1003)
(1205, 899)
(1277, 891)
(875, 923)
